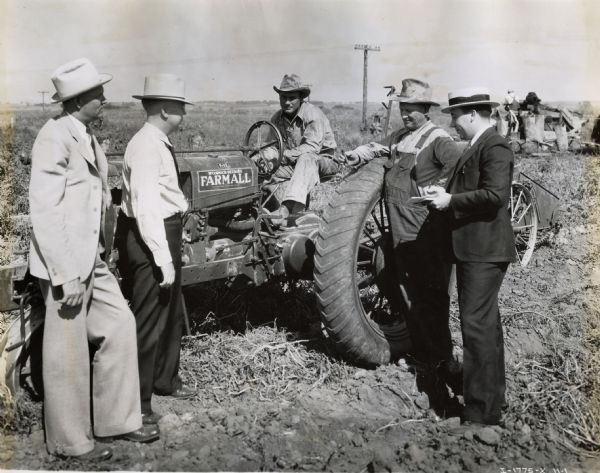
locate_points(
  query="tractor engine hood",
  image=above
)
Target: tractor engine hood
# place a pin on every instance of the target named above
(213, 181)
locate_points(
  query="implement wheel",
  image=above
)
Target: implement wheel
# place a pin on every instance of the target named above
(524, 219)
(353, 283)
(22, 352)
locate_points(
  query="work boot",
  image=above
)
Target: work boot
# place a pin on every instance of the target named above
(294, 209)
(287, 214)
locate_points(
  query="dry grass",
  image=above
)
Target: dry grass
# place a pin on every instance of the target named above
(265, 361)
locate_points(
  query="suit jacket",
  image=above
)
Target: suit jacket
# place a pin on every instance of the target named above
(480, 225)
(68, 193)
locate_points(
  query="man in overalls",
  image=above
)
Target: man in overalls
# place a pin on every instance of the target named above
(420, 154)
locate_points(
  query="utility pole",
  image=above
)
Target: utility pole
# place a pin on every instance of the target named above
(366, 48)
(43, 92)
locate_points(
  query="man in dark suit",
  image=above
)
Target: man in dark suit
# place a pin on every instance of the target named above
(482, 244)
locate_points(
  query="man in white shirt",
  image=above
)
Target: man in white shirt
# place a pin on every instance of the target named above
(149, 239)
(68, 193)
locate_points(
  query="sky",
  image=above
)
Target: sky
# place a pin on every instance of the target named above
(239, 49)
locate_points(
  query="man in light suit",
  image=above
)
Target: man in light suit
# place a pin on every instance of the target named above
(68, 194)
(481, 241)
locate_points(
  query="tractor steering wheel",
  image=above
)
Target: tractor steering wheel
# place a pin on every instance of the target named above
(255, 149)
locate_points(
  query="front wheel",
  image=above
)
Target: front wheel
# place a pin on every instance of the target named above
(353, 275)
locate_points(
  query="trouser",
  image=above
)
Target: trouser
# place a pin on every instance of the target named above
(304, 174)
(484, 383)
(105, 321)
(158, 311)
(423, 277)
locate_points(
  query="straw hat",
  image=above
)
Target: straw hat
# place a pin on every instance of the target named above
(292, 83)
(163, 87)
(415, 91)
(76, 77)
(469, 96)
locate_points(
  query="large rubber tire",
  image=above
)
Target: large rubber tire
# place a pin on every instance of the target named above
(351, 274)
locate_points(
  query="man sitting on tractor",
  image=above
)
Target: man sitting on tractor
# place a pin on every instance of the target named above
(419, 154)
(308, 141)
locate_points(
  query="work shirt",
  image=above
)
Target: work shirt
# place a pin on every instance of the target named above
(412, 142)
(309, 131)
(150, 188)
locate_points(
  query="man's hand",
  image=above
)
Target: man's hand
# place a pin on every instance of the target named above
(438, 197)
(168, 274)
(72, 293)
(352, 158)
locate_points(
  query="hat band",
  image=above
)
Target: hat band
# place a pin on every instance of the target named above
(473, 98)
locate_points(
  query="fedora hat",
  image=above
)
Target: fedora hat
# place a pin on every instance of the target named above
(76, 77)
(415, 91)
(163, 87)
(469, 96)
(292, 83)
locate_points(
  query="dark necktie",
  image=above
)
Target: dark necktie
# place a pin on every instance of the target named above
(172, 151)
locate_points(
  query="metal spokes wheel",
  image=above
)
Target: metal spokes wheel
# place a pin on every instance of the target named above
(524, 219)
(373, 278)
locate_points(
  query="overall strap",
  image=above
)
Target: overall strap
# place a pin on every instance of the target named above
(424, 137)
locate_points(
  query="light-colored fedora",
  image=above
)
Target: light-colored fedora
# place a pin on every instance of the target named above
(163, 87)
(469, 96)
(292, 83)
(75, 77)
(415, 91)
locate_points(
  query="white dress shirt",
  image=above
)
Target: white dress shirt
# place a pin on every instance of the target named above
(478, 134)
(150, 188)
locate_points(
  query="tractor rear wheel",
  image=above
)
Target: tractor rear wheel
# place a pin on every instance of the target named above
(353, 282)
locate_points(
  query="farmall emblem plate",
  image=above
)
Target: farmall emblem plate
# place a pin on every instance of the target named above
(224, 178)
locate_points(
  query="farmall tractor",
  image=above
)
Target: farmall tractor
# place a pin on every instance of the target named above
(230, 234)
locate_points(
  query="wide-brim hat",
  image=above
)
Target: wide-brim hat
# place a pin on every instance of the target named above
(163, 87)
(415, 91)
(76, 77)
(292, 83)
(469, 96)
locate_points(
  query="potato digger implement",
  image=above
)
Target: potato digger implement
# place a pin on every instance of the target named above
(230, 234)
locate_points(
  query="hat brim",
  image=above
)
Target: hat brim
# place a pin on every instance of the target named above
(305, 90)
(491, 103)
(162, 97)
(103, 79)
(417, 101)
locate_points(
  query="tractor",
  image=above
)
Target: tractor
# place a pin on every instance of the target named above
(230, 235)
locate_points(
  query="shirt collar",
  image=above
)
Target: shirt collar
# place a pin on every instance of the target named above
(479, 133)
(79, 126)
(149, 127)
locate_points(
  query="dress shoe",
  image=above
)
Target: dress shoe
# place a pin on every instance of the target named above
(465, 427)
(145, 434)
(99, 453)
(183, 392)
(150, 418)
(451, 371)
